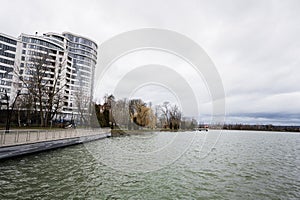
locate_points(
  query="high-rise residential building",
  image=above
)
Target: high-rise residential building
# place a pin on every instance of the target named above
(8, 47)
(83, 51)
(46, 58)
(69, 62)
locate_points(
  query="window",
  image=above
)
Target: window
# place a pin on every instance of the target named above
(8, 40)
(6, 54)
(9, 62)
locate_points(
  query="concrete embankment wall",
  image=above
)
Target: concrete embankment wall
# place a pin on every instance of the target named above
(16, 146)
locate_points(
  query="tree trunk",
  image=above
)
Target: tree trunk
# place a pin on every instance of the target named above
(19, 118)
(41, 114)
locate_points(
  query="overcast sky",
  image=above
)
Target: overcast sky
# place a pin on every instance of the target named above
(254, 45)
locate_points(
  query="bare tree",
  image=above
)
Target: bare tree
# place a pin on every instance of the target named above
(83, 106)
(10, 100)
(43, 78)
(175, 117)
(171, 115)
(54, 92)
(165, 110)
(120, 112)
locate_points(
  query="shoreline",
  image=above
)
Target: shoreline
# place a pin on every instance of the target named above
(121, 132)
(15, 150)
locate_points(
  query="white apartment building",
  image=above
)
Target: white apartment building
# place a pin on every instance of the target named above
(70, 56)
(8, 47)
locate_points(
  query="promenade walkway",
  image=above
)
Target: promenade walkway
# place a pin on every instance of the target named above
(24, 136)
(20, 142)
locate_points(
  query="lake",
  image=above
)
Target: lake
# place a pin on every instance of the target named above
(161, 165)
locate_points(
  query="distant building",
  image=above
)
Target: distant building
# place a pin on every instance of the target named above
(77, 54)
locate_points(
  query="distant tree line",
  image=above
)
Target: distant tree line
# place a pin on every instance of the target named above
(135, 114)
(268, 127)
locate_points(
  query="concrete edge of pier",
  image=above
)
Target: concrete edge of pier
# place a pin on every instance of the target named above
(23, 149)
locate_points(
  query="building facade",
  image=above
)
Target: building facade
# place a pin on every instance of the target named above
(67, 62)
(8, 46)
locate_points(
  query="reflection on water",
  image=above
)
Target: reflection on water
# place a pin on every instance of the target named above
(242, 165)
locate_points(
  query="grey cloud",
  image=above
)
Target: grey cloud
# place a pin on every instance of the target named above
(254, 44)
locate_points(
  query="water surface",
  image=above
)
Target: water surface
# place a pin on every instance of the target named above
(242, 165)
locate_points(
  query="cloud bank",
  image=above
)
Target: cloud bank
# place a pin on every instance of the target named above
(255, 45)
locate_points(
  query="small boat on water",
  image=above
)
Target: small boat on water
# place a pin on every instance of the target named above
(201, 129)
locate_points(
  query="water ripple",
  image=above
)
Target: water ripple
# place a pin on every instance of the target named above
(243, 165)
